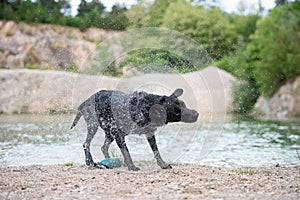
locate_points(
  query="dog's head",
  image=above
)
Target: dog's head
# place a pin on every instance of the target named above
(148, 108)
(171, 109)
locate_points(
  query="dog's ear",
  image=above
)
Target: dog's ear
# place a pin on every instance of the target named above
(158, 115)
(177, 93)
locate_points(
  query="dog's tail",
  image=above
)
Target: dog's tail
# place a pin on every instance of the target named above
(79, 114)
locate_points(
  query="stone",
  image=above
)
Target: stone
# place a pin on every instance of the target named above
(47, 46)
(284, 103)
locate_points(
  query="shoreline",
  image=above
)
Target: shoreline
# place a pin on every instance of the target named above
(184, 181)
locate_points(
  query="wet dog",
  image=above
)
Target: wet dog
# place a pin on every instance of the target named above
(120, 114)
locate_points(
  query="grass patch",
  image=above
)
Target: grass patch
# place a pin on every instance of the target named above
(155, 60)
(53, 111)
(9, 33)
(32, 66)
(66, 109)
(68, 164)
(244, 171)
(70, 35)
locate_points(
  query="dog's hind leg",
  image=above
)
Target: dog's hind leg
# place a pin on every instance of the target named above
(108, 140)
(120, 139)
(92, 129)
(152, 141)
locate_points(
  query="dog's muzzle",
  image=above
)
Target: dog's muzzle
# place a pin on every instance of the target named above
(189, 116)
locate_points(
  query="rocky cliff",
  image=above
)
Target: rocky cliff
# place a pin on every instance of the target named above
(48, 46)
(284, 103)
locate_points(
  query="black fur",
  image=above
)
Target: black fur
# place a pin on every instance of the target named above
(120, 114)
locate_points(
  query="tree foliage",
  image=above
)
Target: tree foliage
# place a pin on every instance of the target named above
(90, 13)
(87, 7)
(157, 12)
(153, 60)
(208, 27)
(147, 14)
(137, 15)
(268, 54)
(274, 48)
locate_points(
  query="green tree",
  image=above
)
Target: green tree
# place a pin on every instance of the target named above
(236, 61)
(116, 19)
(244, 25)
(157, 11)
(27, 12)
(137, 15)
(39, 11)
(145, 14)
(55, 7)
(274, 49)
(280, 2)
(246, 90)
(87, 7)
(208, 27)
(6, 11)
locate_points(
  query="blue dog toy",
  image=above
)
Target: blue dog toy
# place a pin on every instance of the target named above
(111, 163)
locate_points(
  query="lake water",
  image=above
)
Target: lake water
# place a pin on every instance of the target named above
(47, 139)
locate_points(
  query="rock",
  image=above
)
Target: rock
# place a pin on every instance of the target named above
(95, 35)
(284, 103)
(8, 28)
(46, 46)
(130, 72)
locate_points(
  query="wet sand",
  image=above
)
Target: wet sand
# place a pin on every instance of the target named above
(182, 182)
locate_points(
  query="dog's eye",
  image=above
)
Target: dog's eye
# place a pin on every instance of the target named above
(177, 111)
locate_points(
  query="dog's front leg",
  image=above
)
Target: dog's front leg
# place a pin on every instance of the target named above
(152, 141)
(120, 139)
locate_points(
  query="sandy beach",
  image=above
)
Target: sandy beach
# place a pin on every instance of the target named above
(77, 181)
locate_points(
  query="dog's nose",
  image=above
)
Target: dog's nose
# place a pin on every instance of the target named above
(196, 114)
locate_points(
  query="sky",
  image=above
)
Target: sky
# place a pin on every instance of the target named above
(227, 5)
(233, 5)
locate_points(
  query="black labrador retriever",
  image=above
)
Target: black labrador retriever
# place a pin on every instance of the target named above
(120, 114)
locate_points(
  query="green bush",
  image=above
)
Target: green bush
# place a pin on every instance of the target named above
(156, 60)
(246, 90)
(55, 12)
(274, 48)
(210, 28)
(245, 94)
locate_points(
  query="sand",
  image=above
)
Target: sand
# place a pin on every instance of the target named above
(182, 182)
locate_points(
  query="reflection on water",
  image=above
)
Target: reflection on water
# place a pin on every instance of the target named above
(47, 139)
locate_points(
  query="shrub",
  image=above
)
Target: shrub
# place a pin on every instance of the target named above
(274, 48)
(157, 60)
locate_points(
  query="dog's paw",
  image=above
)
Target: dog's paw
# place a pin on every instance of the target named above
(96, 165)
(89, 162)
(133, 168)
(166, 167)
